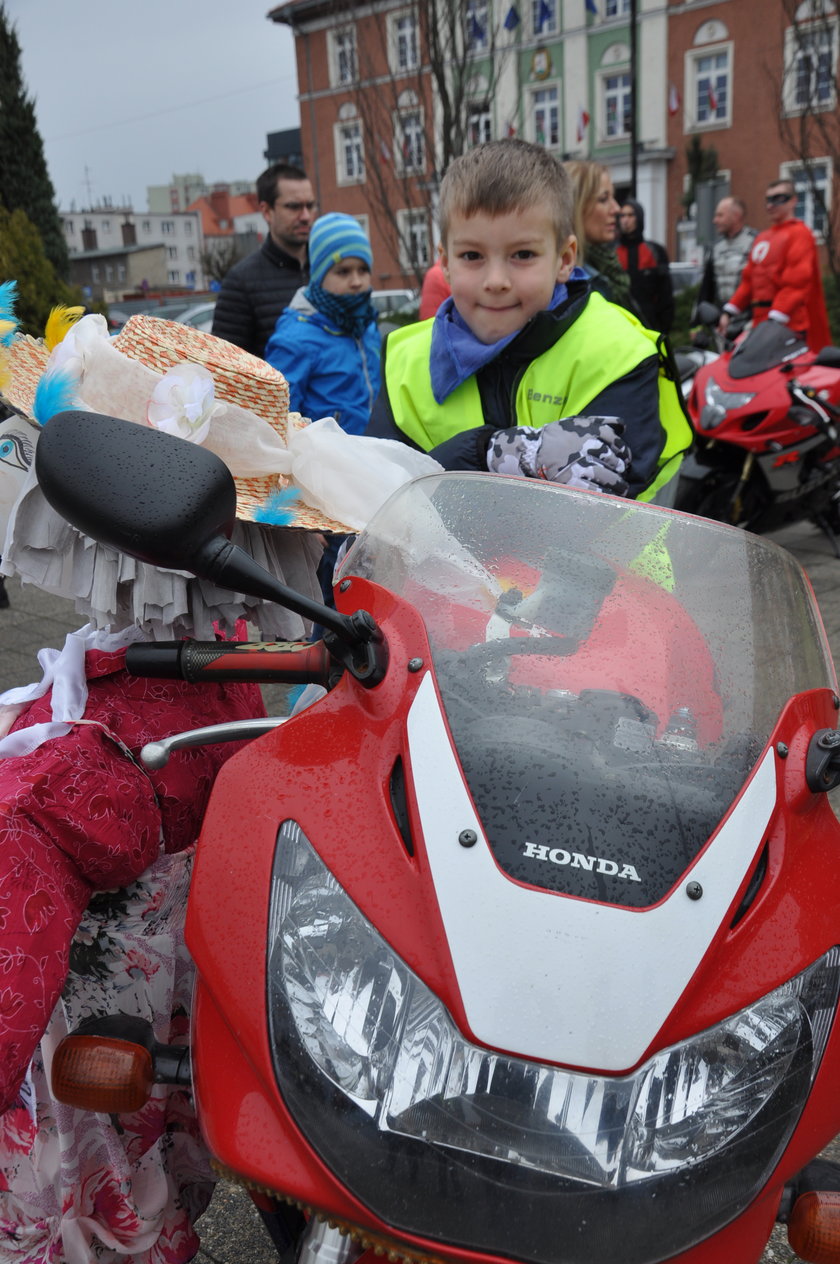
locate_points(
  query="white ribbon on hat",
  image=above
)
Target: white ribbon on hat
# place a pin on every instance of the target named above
(347, 477)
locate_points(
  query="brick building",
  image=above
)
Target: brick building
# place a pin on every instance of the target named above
(755, 80)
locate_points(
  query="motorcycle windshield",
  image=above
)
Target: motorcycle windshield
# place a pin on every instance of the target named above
(610, 671)
(765, 346)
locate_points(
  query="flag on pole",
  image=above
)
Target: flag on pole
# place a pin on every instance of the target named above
(511, 129)
(476, 30)
(582, 124)
(384, 151)
(512, 20)
(591, 7)
(673, 100)
(544, 15)
(713, 101)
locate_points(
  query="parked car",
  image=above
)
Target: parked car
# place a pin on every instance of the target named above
(167, 309)
(684, 275)
(390, 300)
(199, 316)
(395, 307)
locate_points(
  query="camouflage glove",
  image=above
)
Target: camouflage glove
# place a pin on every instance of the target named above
(582, 452)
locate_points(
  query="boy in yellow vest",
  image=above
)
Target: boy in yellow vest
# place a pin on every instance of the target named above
(524, 369)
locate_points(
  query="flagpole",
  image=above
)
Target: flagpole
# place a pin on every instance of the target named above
(634, 128)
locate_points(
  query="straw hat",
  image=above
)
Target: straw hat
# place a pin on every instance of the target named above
(255, 392)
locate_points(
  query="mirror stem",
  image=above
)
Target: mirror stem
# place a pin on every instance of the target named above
(354, 640)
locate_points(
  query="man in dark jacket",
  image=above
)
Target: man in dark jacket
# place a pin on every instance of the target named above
(646, 262)
(256, 289)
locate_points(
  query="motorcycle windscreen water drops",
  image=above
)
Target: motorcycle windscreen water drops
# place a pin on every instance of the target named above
(523, 944)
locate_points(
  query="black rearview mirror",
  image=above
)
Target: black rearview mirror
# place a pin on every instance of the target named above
(146, 493)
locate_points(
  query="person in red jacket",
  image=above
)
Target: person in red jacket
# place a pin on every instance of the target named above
(434, 290)
(646, 263)
(781, 279)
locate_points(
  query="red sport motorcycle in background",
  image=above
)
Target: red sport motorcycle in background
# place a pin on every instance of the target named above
(523, 942)
(766, 417)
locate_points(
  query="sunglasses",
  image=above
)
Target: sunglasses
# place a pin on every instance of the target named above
(297, 207)
(778, 199)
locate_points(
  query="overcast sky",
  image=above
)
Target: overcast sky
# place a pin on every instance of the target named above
(128, 92)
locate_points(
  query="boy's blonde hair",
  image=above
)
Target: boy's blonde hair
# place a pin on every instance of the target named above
(503, 176)
(586, 180)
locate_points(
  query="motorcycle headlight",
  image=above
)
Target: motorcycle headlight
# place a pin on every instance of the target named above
(719, 403)
(401, 1106)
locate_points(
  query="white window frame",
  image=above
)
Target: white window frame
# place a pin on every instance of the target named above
(414, 223)
(349, 152)
(409, 142)
(552, 26)
(188, 227)
(344, 62)
(693, 78)
(174, 276)
(794, 51)
(541, 95)
(805, 200)
(616, 8)
(479, 123)
(404, 42)
(619, 71)
(478, 11)
(167, 227)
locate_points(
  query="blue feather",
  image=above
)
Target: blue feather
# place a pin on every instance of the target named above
(56, 392)
(8, 298)
(279, 510)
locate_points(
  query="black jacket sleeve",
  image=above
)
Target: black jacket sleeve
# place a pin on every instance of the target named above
(233, 317)
(665, 288)
(634, 399)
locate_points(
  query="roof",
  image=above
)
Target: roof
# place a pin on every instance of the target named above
(113, 251)
(219, 205)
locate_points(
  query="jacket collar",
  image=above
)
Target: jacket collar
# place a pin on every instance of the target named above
(280, 257)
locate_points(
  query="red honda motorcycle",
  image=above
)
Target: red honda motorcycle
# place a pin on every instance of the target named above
(522, 943)
(767, 444)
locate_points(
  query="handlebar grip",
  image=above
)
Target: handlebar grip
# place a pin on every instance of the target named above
(287, 662)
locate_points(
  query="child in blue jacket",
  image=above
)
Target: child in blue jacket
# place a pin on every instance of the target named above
(326, 342)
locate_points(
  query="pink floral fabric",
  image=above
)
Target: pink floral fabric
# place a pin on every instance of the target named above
(94, 871)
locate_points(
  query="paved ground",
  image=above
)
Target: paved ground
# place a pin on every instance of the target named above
(231, 1231)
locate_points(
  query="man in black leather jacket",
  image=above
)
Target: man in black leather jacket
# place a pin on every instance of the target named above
(256, 289)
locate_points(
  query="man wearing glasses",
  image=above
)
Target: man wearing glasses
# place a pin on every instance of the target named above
(256, 289)
(781, 279)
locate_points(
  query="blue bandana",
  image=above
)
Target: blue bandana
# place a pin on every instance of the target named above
(456, 352)
(351, 313)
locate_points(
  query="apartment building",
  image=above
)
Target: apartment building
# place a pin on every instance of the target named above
(105, 237)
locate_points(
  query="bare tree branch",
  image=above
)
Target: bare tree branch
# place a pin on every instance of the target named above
(460, 58)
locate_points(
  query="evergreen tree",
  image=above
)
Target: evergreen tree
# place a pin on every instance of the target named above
(22, 259)
(24, 180)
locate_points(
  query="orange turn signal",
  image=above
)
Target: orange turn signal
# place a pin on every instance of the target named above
(814, 1227)
(102, 1074)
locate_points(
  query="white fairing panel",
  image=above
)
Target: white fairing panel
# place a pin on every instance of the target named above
(554, 978)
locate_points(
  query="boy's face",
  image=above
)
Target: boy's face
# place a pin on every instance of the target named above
(348, 276)
(502, 269)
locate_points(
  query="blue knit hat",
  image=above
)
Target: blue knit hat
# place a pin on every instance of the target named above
(334, 237)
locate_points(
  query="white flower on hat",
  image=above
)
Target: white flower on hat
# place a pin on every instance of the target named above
(183, 402)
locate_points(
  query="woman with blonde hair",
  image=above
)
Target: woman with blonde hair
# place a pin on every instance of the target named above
(596, 228)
